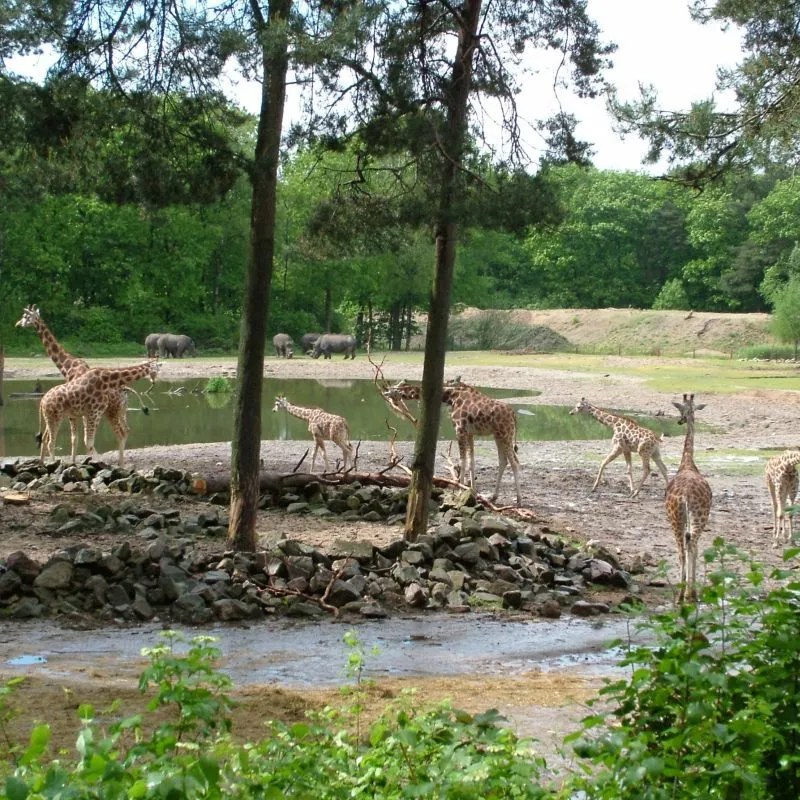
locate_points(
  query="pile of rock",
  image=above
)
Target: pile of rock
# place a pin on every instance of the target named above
(469, 559)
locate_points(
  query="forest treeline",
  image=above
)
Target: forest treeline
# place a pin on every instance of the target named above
(118, 226)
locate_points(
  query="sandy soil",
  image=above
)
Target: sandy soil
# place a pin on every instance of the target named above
(556, 482)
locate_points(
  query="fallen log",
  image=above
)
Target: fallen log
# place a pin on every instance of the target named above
(276, 481)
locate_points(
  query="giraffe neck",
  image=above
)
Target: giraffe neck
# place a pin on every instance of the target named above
(687, 459)
(604, 417)
(117, 378)
(300, 412)
(67, 364)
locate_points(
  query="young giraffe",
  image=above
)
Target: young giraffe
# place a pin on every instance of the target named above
(474, 413)
(688, 503)
(629, 437)
(71, 367)
(781, 474)
(88, 396)
(322, 426)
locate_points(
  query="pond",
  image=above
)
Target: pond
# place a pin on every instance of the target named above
(194, 416)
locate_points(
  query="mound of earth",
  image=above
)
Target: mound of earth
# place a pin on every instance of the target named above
(645, 330)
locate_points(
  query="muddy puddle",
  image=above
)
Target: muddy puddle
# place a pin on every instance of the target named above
(306, 654)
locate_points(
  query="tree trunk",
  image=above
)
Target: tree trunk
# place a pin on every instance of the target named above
(328, 309)
(246, 443)
(2, 371)
(409, 323)
(446, 232)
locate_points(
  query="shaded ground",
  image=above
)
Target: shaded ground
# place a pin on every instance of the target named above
(556, 479)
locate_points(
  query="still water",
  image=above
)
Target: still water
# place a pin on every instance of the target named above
(197, 417)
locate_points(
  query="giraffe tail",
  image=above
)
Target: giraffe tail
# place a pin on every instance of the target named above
(39, 432)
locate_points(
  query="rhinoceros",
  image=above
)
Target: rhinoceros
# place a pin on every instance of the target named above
(330, 343)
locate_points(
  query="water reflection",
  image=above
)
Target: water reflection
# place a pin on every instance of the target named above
(181, 413)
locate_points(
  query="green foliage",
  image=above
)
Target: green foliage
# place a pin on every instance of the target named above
(219, 384)
(497, 330)
(407, 752)
(766, 351)
(786, 318)
(671, 296)
(712, 708)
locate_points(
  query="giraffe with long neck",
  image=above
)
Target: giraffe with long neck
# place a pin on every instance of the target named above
(72, 367)
(688, 502)
(322, 425)
(629, 437)
(87, 397)
(474, 414)
(781, 475)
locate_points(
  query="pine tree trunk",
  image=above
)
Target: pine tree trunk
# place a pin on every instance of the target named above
(446, 232)
(328, 309)
(246, 443)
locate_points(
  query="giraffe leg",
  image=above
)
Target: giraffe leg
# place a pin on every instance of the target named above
(661, 466)
(629, 463)
(73, 435)
(89, 430)
(463, 477)
(321, 446)
(615, 453)
(514, 461)
(501, 467)
(792, 496)
(691, 561)
(645, 475)
(776, 510)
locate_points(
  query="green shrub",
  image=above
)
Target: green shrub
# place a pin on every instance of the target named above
(219, 384)
(498, 330)
(767, 351)
(712, 709)
(672, 296)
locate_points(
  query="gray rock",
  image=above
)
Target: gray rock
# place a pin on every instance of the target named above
(10, 582)
(297, 508)
(26, 608)
(25, 567)
(550, 609)
(583, 608)
(404, 575)
(117, 597)
(512, 598)
(341, 593)
(373, 611)
(191, 609)
(55, 576)
(415, 596)
(227, 610)
(343, 548)
(98, 586)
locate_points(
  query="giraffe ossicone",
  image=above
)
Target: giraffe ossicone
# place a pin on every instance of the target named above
(322, 425)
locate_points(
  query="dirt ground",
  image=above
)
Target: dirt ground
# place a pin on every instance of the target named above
(556, 483)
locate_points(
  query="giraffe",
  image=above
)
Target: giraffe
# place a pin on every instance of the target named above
(87, 396)
(474, 413)
(321, 425)
(629, 437)
(687, 502)
(781, 475)
(72, 367)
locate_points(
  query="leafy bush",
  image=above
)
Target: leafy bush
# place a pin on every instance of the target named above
(672, 296)
(497, 330)
(767, 351)
(219, 384)
(187, 752)
(712, 710)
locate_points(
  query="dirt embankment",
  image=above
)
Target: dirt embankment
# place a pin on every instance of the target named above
(648, 331)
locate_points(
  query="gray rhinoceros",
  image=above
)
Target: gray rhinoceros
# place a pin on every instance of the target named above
(307, 341)
(330, 343)
(151, 343)
(175, 345)
(283, 344)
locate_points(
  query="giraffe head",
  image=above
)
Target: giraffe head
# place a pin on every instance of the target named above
(402, 391)
(583, 407)
(687, 409)
(30, 318)
(281, 402)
